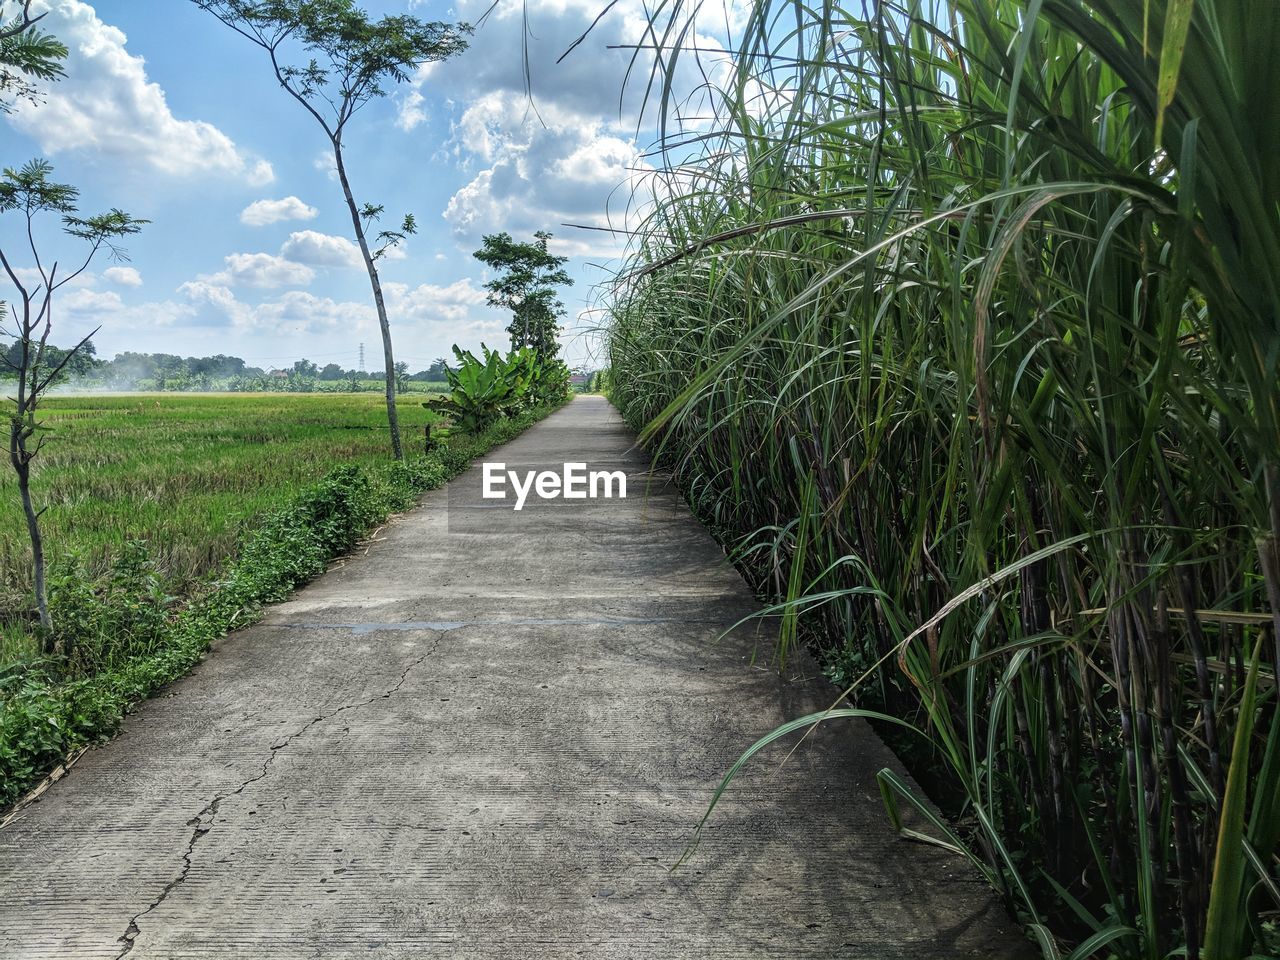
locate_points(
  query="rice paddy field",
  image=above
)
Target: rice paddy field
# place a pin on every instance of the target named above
(185, 473)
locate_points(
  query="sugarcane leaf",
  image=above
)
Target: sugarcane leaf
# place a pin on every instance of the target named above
(1174, 44)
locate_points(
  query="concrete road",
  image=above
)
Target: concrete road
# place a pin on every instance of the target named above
(491, 733)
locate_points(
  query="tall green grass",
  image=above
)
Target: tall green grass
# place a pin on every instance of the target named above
(961, 323)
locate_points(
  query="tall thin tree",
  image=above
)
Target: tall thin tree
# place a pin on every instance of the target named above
(30, 194)
(345, 59)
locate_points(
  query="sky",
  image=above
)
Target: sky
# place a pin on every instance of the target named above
(169, 115)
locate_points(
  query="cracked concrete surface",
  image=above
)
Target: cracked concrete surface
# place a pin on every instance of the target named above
(491, 736)
(202, 822)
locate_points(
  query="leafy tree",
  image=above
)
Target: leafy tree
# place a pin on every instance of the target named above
(345, 59)
(331, 372)
(527, 275)
(167, 370)
(26, 54)
(433, 373)
(216, 367)
(305, 368)
(83, 363)
(129, 366)
(30, 194)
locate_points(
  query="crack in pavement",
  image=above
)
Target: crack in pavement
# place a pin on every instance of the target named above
(202, 822)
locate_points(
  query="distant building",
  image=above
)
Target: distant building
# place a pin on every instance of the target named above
(579, 379)
(279, 374)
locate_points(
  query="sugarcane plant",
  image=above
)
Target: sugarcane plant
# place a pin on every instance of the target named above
(962, 327)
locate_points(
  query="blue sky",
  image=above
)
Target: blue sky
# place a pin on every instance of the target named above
(169, 115)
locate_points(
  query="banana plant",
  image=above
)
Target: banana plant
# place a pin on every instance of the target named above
(481, 391)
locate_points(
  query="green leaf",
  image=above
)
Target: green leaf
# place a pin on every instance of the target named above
(1225, 928)
(1177, 21)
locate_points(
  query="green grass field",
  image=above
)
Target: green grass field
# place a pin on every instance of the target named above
(187, 473)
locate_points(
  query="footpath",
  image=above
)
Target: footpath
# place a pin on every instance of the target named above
(490, 734)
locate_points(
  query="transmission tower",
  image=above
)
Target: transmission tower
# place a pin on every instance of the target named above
(361, 367)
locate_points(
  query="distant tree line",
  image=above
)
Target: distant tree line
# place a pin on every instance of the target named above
(166, 371)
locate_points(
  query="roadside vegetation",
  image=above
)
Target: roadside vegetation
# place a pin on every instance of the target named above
(960, 329)
(482, 391)
(31, 196)
(188, 475)
(526, 281)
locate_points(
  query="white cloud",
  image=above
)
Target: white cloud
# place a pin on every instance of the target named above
(106, 106)
(85, 300)
(218, 296)
(324, 163)
(457, 310)
(261, 174)
(326, 250)
(428, 303)
(540, 175)
(570, 156)
(84, 309)
(321, 249)
(294, 266)
(295, 312)
(31, 278)
(412, 113)
(587, 82)
(299, 312)
(123, 276)
(262, 213)
(263, 270)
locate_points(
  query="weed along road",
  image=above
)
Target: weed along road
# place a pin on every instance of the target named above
(491, 733)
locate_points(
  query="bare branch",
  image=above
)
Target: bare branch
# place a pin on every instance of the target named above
(67, 358)
(24, 23)
(13, 277)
